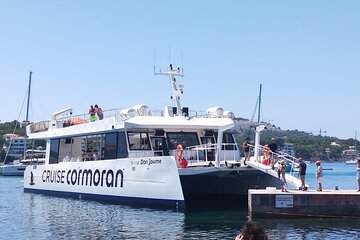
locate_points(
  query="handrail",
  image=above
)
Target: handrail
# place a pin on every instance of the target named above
(282, 156)
(194, 153)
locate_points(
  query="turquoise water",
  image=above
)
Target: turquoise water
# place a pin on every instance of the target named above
(34, 216)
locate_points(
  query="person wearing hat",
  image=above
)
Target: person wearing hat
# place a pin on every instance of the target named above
(358, 173)
(319, 175)
(246, 147)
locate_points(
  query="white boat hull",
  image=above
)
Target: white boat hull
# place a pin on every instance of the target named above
(12, 170)
(153, 181)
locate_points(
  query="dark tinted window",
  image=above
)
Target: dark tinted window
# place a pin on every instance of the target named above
(54, 151)
(110, 145)
(122, 151)
(186, 139)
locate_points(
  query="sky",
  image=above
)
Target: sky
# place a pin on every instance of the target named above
(306, 55)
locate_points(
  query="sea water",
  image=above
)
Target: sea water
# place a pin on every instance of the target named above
(35, 216)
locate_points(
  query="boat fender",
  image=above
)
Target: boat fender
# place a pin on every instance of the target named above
(179, 152)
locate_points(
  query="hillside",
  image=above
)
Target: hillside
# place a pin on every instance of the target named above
(306, 145)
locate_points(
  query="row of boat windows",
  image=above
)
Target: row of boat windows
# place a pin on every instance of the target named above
(114, 145)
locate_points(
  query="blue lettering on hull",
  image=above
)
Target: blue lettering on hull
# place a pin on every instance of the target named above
(86, 177)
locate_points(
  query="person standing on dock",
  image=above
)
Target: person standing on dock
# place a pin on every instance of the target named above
(281, 174)
(358, 173)
(319, 175)
(246, 147)
(302, 173)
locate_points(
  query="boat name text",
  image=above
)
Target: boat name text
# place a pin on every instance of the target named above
(85, 177)
(150, 161)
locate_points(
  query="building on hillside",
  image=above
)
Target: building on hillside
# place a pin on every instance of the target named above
(289, 149)
(17, 145)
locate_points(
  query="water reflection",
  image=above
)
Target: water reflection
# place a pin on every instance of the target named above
(75, 219)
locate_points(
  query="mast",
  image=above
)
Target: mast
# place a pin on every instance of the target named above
(26, 121)
(177, 89)
(259, 104)
(28, 99)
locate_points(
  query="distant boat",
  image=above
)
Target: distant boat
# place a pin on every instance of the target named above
(351, 155)
(16, 168)
(353, 161)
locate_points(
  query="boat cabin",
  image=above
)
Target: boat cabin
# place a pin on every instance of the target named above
(117, 137)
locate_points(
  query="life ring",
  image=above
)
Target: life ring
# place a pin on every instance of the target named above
(179, 152)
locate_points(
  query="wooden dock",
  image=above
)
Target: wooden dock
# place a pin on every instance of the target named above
(295, 203)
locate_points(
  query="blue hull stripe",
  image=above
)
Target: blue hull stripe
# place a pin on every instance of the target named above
(159, 203)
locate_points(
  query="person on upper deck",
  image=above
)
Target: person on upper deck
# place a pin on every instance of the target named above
(99, 112)
(92, 114)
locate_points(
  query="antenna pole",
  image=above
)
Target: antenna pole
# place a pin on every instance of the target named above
(177, 89)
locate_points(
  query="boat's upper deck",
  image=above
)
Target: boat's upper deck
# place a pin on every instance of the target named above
(64, 123)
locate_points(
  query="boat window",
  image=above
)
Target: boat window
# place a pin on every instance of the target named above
(186, 139)
(54, 151)
(110, 145)
(207, 140)
(228, 142)
(138, 141)
(94, 147)
(122, 151)
(160, 147)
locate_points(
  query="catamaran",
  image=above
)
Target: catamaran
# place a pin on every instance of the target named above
(175, 159)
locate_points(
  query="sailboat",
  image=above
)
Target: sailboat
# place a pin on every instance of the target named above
(17, 167)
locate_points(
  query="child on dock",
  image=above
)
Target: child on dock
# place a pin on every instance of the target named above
(319, 175)
(281, 174)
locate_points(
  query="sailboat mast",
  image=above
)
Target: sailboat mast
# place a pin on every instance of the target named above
(259, 103)
(28, 99)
